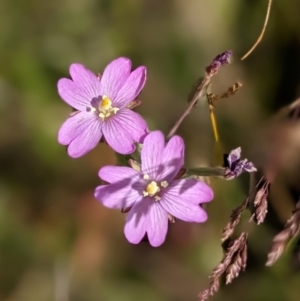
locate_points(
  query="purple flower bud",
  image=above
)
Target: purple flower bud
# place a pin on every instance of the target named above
(218, 61)
(224, 58)
(235, 166)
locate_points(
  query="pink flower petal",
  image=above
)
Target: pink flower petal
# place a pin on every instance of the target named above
(86, 80)
(136, 221)
(82, 132)
(133, 123)
(146, 216)
(190, 190)
(118, 195)
(131, 88)
(122, 130)
(151, 154)
(74, 126)
(157, 226)
(172, 158)
(73, 95)
(182, 209)
(113, 174)
(114, 76)
(79, 92)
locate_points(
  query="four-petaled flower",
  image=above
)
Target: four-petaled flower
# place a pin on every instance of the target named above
(153, 195)
(235, 165)
(101, 105)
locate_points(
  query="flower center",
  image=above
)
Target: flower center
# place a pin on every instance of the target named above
(153, 188)
(105, 108)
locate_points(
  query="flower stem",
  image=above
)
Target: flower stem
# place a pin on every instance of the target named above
(203, 83)
(207, 171)
(213, 123)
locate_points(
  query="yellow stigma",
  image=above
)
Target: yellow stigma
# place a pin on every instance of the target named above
(105, 104)
(105, 108)
(151, 189)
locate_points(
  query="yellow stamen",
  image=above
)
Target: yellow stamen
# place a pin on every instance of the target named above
(105, 104)
(105, 107)
(164, 184)
(152, 188)
(156, 198)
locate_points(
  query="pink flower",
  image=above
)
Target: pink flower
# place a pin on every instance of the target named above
(153, 195)
(101, 106)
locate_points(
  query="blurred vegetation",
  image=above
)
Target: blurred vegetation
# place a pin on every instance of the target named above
(56, 242)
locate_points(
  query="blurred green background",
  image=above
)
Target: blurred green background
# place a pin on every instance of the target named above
(57, 243)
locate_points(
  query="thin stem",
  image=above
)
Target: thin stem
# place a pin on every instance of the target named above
(262, 32)
(207, 171)
(214, 123)
(199, 89)
(211, 70)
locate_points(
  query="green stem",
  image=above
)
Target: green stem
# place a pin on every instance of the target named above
(206, 171)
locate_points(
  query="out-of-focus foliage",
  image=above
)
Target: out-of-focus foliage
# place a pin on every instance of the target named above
(56, 242)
